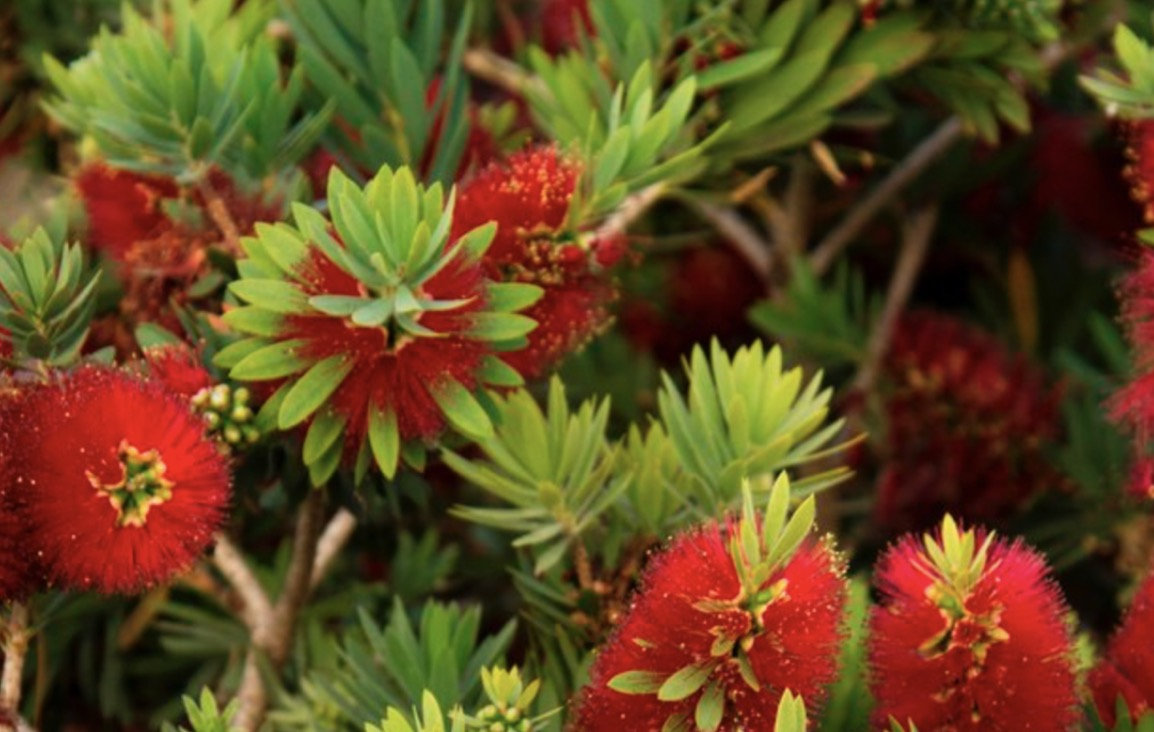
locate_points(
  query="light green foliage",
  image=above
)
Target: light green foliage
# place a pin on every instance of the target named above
(392, 236)
(378, 668)
(824, 321)
(207, 716)
(633, 135)
(791, 716)
(46, 298)
(850, 704)
(554, 467)
(212, 95)
(1130, 93)
(376, 60)
(430, 719)
(746, 416)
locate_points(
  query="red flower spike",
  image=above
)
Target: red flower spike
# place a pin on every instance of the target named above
(122, 489)
(563, 22)
(970, 635)
(528, 196)
(178, 368)
(123, 207)
(1127, 669)
(967, 425)
(1140, 171)
(17, 563)
(751, 641)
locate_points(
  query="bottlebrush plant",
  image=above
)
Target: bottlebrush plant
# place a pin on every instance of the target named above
(570, 366)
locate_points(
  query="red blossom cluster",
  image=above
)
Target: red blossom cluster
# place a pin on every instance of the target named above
(108, 482)
(529, 197)
(690, 599)
(970, 635)
(1127, 670)
(966, 426)
(388, 372)
(158, 234)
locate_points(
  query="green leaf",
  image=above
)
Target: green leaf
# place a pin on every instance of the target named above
(513, 296)
(272, 295)
(685, 682)
(384, 439)
(739, 69)
(462, 409)
(312, 389)
(272, 361)
(710, 708)
(500, 326)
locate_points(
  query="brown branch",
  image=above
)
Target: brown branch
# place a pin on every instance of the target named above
(751, 245)
(333, 539)
(16, 637)
(499, 71)
(296, 585)
(218, 211)
(272, 632)
(916, 235)
(257, 609)
(631, 209)
(915, 163)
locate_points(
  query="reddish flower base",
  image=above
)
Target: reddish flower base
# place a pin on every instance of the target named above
(398, 377)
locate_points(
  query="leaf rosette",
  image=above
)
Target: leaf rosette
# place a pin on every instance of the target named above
(377, 329)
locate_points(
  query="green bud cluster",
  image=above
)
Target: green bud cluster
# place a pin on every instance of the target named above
(227, 412)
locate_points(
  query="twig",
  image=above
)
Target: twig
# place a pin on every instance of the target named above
(272, 632)
(499, 71)
(218, 211)
(916, 235)
(333, 539)
(16, 637)
(296, 585)
(918, 160)
(631, 209)
(257, 609)
(751, 245)
(789, 221)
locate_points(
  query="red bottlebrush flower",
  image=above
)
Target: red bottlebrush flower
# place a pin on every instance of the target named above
(692, 611)
(18, 571)
(178, 368)
(121, 487)
(378, 335)
(970, 635)
(528, 196)
(393, 376)
(1132, 406)
(967, 424)
(123, 207)
(563, 22)
(1127, 669)
(1140, 171)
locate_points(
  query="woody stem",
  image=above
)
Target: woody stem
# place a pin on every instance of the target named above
(16, 637)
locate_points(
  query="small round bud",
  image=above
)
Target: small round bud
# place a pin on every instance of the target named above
(221, 397)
